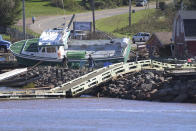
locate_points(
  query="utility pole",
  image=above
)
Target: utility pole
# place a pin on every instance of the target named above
(63, 6)
(156, 4)
(129, 13)
(24, 25)
(182, 5)
(174, 2)
(93, 12)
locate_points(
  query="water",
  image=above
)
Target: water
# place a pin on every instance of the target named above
(87, 114)
(9, 89)
(2, 59)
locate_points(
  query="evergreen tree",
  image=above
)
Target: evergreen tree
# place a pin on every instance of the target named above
(9, 12)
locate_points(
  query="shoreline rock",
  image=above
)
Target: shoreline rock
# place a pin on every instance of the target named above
(151, 86)
(47, 76)
(144, 85)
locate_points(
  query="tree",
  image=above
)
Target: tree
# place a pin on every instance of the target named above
(192, 4)
(67, 4)
(9, 12)
(188, 4)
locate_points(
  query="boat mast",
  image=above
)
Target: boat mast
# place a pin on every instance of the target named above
(24, 25)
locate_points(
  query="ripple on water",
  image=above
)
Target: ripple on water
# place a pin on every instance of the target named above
(96, 114)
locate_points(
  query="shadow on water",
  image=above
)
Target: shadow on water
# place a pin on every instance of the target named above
(2, 59)
(8, 89)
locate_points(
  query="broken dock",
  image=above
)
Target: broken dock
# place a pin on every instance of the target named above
(79, 85)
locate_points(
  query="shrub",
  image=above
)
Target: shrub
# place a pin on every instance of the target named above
(30, 85)
(9, 12)
(101, 4)
(68, 4)
(162, 5)
(71, 5)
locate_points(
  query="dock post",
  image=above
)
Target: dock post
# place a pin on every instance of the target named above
(57, 72)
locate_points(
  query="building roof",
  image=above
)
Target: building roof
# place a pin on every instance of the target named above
(187, 14)
(164, 37)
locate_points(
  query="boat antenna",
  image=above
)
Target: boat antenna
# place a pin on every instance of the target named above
(111, 39)
(70, 22)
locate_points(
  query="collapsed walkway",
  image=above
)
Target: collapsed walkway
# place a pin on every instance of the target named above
(79, 85)
(12, 73)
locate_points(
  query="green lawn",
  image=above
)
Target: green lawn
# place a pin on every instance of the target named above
(5, 37)
(44, 8)
(116, 22)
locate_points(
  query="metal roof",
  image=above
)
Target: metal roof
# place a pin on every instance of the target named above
(190, 14)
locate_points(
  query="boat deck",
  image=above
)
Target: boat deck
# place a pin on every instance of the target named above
(97, 48)
(17, 47)
(30, 45)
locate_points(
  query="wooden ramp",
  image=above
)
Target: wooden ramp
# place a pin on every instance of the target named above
(67, 86)
(81, 84)
(12, 73)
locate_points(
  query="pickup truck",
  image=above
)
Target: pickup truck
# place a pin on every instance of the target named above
(141, 37)
(141, 2)
(4, 44)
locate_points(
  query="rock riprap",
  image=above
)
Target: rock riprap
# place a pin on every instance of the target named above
(147, 85)
(48, 76)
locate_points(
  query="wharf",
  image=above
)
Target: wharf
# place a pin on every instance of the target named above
(79, 85)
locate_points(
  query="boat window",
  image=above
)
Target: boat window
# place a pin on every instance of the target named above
(43, 49)
(51, 49)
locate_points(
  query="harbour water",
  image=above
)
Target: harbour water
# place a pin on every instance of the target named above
(96, 114)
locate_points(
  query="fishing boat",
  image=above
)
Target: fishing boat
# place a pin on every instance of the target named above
(55, 44)
(51, 50)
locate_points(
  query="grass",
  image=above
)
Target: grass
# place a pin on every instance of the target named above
(158, 21)
(113, 23)
(30, 85)
(6, 37)
(44, 8)
(28, 31)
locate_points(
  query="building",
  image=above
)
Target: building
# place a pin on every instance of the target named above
(159, 45)
(184, 34)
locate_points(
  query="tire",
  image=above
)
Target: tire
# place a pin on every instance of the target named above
(133, 41)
